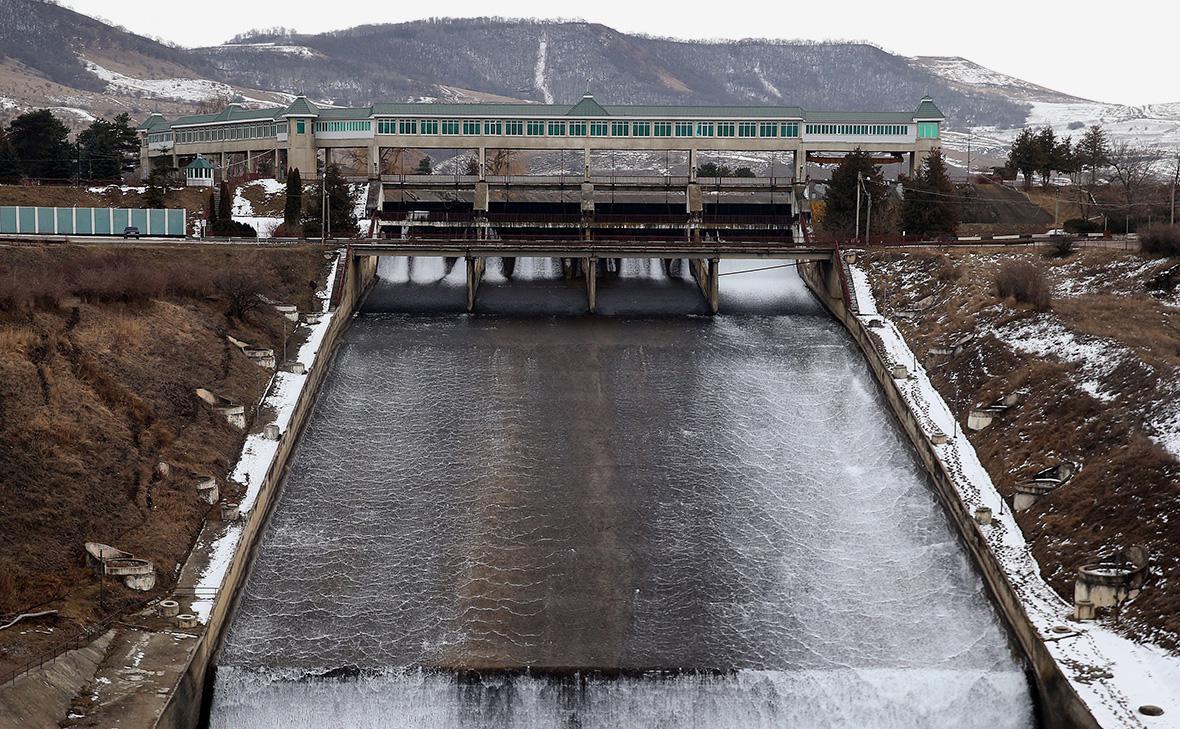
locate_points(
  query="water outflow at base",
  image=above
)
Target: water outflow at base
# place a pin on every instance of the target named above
(726, 498)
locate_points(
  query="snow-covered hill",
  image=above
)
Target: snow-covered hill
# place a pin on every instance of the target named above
(1156, 125)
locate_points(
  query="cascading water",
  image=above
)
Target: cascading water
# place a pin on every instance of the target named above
(630, 521)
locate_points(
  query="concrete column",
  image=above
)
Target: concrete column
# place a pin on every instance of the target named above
(475, 268)
(587, 200)
(586, 164)
(694, 200)
(714, 293)
(483, 165)
(224, 172)
(591, 268)
(175, 161)
(692, 165)
(481, 197)
(800, 165)
(374, 162)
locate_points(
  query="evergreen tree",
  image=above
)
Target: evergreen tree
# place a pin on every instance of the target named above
(9, 164)
(342, 222)
(293, 211)
(1024, 155)
(930, 203)
(42, 144)
(156, 188)
(107, 149)
(840, 210)
(211, 211)
(225, 206)
(1046, 154)
(1092, 152)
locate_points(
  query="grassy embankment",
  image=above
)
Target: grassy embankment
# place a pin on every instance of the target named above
(101, 350)
(1100, 364)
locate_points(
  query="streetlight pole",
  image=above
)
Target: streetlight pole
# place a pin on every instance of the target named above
(858, 186)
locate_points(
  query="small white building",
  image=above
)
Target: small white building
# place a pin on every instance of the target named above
(198, 173)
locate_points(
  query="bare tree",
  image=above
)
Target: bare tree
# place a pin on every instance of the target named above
(1134, 168)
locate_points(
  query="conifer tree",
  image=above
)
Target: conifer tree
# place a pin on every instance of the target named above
(225, 206)
(840, 210)
(1024, 155)
(293, 211)
(42, 144)
(1093, 152)
(930, 202)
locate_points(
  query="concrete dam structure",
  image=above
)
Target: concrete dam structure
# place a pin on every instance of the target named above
(529, 519)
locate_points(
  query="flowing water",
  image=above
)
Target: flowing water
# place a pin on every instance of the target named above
(614, 521)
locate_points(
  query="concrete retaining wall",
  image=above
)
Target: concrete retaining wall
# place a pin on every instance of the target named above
(1059, 705)
(183, 710)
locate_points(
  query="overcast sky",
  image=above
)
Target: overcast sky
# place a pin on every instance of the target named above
(1109, 51)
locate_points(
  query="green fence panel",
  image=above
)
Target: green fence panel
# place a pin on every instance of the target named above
(45, 221)
(157, 222)
(122, 220)
(65, 220)
(102, 221)
(176, 222)
(139, 218)
(8, 220)
(27, 220)
(84, 221)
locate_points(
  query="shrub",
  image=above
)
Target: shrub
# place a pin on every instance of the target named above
(1160, 240)
(1064, 245)
(948, 270)
(1080, 226)
(1024, 282)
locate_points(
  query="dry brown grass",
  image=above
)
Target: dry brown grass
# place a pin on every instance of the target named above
(1128, 491)
(92, 397)
(1025, 282)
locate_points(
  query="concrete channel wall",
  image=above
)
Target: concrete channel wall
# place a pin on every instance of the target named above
(1059, 705)
(183, 710)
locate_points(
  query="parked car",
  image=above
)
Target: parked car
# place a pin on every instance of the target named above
(131, 232)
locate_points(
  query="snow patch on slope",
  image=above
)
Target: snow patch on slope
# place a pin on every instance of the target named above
(770, 88)
(539, 81)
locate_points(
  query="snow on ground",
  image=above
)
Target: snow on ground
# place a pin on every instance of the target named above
(243, 209)
(1112, 675)
(258, 453)
(80, 113)
(539, 81)
(102, 189)
(179, 89)
(271, 47)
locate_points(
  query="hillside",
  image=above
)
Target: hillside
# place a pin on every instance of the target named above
(1097, 376)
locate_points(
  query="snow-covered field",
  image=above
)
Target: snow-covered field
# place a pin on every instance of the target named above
(192, 90)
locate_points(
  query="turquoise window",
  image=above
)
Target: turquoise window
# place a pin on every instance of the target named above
(927, 130)
(407, 126)
(450, 126)
(536, 128)
(662, 129)
(768, 129)
(725, 129)
(704, 129)
(428, 126)
(470, 126)
(556, 129)
(514, 128)
(683, 129)
(641, 129)
(747, 129)
(299, 127)
(791, 129)
(577, 129)
(619, 129)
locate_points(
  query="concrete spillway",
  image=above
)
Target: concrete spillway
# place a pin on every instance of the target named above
(630, 521)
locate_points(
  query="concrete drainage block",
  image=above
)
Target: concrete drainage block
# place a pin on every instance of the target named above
(979, 419)
(939, 438)
(983, 515)
(271, 431)
(291, 312)
(1109, 582)
(169, 608)
(229, 512)
(295, 368)
(186, 620)
(138, 574)
(207, 489)
(900, 372)
(234, 413)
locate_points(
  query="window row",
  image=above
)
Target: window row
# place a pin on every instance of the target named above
(878, 130)
(159, 137)
(343, 126)
(547, 128)
(221, 134)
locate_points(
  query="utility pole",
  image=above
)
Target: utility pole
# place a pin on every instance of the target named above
(969, 156)
(858, 186)
(1175, 179)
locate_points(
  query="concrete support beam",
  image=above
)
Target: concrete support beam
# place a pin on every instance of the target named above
(586, 164)
(221, 168)
(483, 166)
(800, 165)
(695, 202)
(374, 162)
(475, 268)
(708, 277)
(692, 165)
(481, 197)
(587, 199)
(591, 269)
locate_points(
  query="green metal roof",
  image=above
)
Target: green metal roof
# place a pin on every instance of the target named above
(154, 122)
(200, 163)
(302, 107)
(587, 107)
(927, 110)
